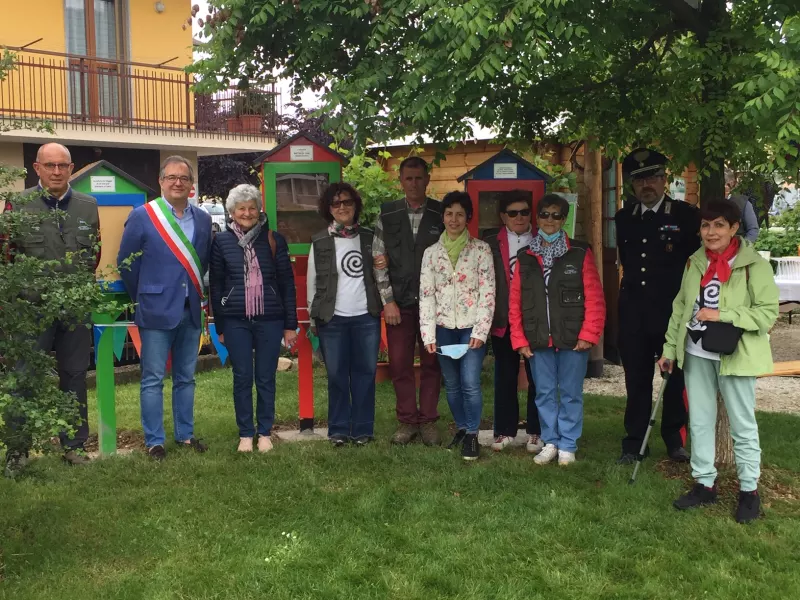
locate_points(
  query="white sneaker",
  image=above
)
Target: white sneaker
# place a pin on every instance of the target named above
(245, 445)
(565, 458)
(548, 453)
(535, 444)
(501, 441)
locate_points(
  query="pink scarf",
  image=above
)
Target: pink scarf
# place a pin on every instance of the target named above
(253, 281)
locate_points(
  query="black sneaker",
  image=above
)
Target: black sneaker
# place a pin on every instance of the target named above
(337, 441)
(197, 445)
(470, 449)
(699, 495)
(363, 440)
(626, 459)
(749, 508)
(457, 440)
(15, 463)
(157, 452)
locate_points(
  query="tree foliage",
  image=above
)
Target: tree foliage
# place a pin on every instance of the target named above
(219, 174)
(784, 239)
(374, 184)
(710, 84)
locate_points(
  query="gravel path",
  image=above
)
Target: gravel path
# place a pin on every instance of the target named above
(773, 394)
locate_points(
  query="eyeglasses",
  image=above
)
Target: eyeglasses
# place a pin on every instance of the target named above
(54, 166)
(525, 212)
(556, 216)
(173, 178)
(349, 203)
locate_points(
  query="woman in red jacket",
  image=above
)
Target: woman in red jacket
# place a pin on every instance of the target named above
(557, 312)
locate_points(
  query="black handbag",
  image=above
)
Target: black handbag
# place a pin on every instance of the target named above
(722, 338)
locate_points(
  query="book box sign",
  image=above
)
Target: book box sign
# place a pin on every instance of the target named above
(301, 152)
(103, 183)
(505, 170)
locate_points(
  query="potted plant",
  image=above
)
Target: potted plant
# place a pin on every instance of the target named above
(251, 107)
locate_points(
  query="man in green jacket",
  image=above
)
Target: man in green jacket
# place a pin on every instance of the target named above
(77, 233)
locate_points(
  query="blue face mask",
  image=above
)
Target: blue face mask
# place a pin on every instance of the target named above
(549, 237)
(454, 351)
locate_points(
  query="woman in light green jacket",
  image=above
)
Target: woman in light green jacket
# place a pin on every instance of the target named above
(727, 291)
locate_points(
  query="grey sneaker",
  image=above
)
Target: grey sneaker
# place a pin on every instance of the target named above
(534, 444)
(15, 463)
(430, 434)
(404, 434)
(75, 458)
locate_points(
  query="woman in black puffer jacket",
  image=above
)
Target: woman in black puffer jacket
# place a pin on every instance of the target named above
(253, 297)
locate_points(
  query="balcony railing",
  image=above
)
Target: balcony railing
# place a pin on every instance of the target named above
(110, 94)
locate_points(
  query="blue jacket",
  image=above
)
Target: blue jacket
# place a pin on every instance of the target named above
(157, 281)
(227, 280)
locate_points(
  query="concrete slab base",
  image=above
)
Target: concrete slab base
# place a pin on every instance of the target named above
(293, 435)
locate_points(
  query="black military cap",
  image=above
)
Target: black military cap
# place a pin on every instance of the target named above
(642, 162)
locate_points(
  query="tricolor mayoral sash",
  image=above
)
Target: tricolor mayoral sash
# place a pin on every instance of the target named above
(167, 227)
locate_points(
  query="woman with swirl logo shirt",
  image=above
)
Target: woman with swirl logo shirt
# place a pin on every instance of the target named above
(727, 303)
(344, 307)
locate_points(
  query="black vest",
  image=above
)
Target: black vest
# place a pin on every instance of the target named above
(405, 253)
(490, 236)
(324, 248)
(566, 294)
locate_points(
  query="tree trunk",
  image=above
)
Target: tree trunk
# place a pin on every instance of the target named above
(724, 449)
(713, 12)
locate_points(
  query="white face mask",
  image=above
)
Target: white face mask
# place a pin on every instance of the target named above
(454, 351)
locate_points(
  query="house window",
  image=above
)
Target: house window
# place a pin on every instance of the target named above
(677, 189)
(612, 190)
(94, 31)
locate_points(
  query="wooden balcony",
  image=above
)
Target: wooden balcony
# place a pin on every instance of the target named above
(119, 96)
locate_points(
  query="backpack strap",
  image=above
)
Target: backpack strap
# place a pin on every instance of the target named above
(272, 245)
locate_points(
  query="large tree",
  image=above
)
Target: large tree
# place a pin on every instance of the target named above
(705, 79)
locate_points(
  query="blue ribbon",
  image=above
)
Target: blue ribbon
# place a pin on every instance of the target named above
(222, 351)
(98, 331)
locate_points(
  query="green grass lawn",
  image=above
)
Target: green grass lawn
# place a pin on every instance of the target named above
(387, 522)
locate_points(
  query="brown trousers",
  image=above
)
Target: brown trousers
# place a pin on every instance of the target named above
(402, 340)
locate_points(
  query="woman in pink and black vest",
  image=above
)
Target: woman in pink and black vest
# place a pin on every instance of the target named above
(557, 312)
(515, 209)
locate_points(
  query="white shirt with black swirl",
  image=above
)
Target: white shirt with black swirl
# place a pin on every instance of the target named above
(707, 298)
(351, 295)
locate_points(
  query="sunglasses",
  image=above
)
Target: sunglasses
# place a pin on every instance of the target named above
(348, 203)
(525, 212)
(556, 216)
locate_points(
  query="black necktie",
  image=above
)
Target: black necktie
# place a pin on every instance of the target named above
(648, 215)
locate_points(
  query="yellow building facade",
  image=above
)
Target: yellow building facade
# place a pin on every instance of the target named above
(109, 75)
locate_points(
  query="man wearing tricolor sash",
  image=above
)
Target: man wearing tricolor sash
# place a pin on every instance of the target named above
(171, 242)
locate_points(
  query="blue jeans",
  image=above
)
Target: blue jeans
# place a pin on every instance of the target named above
(184, 342)
(559, 379)
(462, 378)
(242, 337)
(350, 349)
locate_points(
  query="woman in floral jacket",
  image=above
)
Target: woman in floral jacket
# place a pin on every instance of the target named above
(456, 307)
